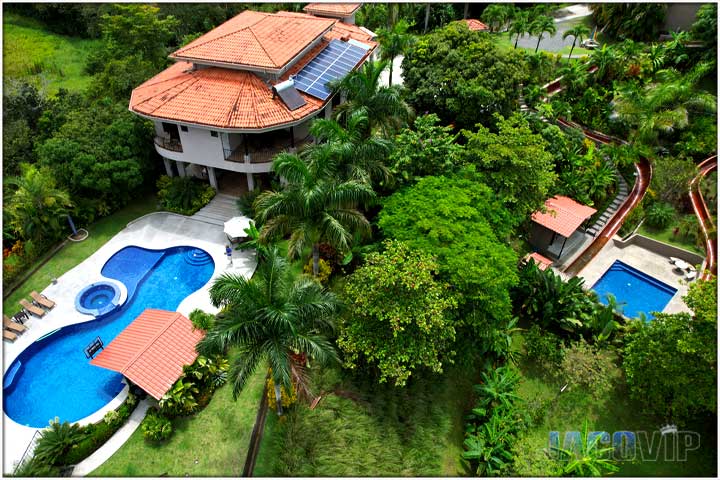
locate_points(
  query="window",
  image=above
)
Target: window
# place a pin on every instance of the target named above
(213, 133)
(183, 128)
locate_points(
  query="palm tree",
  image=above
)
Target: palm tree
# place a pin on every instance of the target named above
(587, 459)
(56, 440)
(542, 24)
(495, 15)
(271, 317)
(664, 107)
(384, 106)
(358, 157)
(578, 32)
(314, 206)
(36, 205)
(520, 25)
(394, 42)
(574, 76)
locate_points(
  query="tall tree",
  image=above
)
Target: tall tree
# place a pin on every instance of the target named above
(462, 76)
(458, 220)
(384, 106)
(398, 316)
(514, 162)
(520, 25)
(313, 207)
(393, 42)
(541, 25)
(358, 157)
(496, 15)
(578, 32)
(639, 21)
(271, 318)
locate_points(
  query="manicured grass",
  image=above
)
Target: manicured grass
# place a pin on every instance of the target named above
(46, 59)
(610, 412)
(74, 253)
(667, 236)
(363, 429)
(212, 443)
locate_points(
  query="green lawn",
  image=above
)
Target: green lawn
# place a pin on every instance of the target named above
(74, 253)
(46, 59)
(667, 236)
(611, 412)
(363, 429)
(212, 443)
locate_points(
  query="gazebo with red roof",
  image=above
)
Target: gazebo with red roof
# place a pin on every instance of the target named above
(562, 216)
(476, 25)
(152, 350)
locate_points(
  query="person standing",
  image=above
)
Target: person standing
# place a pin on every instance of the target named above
(228, 252)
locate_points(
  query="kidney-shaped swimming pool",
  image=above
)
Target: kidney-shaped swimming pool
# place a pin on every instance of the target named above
(53, 378)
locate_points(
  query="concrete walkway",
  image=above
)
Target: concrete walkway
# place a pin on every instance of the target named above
(220, 209)
(114, 443)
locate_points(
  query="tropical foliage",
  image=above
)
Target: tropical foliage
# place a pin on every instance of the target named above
(184, 195)
(588, 458)
(399, 316)
(313, 207)
(462, 76)
(638, 21)
(271, 318)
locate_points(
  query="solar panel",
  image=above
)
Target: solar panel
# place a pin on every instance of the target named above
(289, 95)
(334, 62)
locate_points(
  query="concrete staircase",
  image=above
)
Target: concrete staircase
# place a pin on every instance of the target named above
(221, 208)
(607, 214)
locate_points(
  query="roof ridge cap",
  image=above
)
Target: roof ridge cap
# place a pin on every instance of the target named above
(147, 344)
(247, 27)
(274, 62)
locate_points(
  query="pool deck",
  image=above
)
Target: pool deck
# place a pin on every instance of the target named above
(644, 260)
(154, 231)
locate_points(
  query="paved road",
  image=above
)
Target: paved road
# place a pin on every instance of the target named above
(550, 44)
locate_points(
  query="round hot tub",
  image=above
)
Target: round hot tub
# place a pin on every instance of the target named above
(98, 298)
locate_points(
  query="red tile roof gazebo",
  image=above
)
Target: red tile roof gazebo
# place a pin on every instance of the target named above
(562, 216)
(152, 350)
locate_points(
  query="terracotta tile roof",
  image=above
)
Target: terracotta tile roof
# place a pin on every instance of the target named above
(231, 99)
(256, 39)
(476, 25)
(152, 350)
(563, 215)
(542, 262)
(216, 97)
(335, 9)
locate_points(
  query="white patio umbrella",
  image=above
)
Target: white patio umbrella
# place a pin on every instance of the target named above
(235, 227)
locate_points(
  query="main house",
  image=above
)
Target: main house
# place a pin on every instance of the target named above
(249, 89)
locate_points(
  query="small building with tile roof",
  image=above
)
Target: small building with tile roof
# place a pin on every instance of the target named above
(345, 12)
(229, 103)
(475, 25)
(557, 223)
(152, 350)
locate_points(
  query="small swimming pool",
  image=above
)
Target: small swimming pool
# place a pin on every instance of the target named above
(53, 378)
(638, 291)
(98, 298)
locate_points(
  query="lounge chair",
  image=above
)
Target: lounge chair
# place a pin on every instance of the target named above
(691, 275)
(12, 326)
(20, 317)
(42, 300)
(9, 336)
(37, 311)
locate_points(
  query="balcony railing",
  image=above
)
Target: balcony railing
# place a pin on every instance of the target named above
(262, 154)
(171, 144)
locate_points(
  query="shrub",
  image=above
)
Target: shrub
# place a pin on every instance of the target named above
(544, 347)
(659, 215)
(112, 418)
(201, 320)
(632, 220)
(588, 367)
(324, 270)
(286, 399)
(56, 440)
(183, 195)
(156, 427)
(246, 201)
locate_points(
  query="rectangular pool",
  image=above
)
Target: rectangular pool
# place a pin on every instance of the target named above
(635, 290)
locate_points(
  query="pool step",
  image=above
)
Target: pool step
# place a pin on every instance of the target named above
(197, 257)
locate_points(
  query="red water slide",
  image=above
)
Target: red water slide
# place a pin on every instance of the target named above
(705, 219)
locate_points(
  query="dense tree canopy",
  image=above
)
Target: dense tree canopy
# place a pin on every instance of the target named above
(671, 362)
(514, 162)
(462, 76)
(639, 21)
(426, 149)
(459, 220)
(398, 317)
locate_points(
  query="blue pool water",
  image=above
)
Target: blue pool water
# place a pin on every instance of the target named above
(638, 291)
(52, 378)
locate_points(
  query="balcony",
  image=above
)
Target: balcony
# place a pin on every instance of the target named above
(262, 153)
(171, 144)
